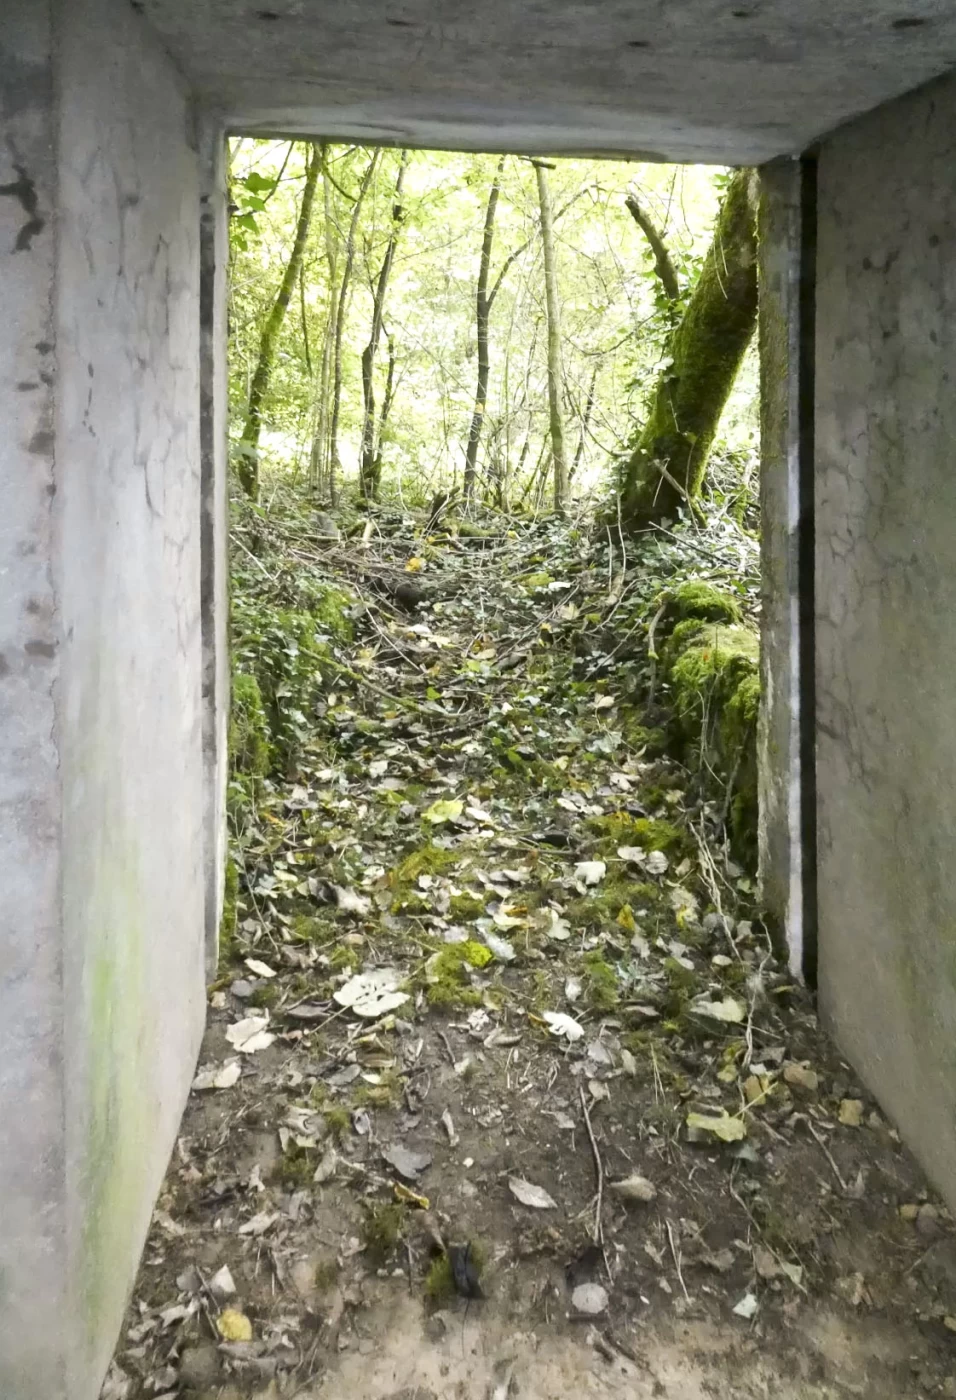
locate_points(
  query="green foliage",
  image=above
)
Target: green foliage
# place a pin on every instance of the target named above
(382, 1228)
(607, 284)
(697, 598)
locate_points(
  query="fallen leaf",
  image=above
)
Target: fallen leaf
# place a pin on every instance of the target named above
(222, 1283)
(747, 1307)
(560, 1024)
(604, 702)
(223, 1078)
(530, 1195)
(250, 1034)
(258, 1224)
(656, 863)
(635, 854)
(800, 1077)
(261, 969)
(635, 1188)
(724, 1127)
(444, 811)
(729, 1010)
(234, 1326)
(351, 901)
(372, 994)
(851, 1113)
(590, 872)
(408, 1164)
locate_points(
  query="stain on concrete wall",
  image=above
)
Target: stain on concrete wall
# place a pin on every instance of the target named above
(886, 610)
(130, 724)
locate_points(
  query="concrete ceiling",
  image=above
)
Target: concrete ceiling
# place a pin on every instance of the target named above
(681, 80)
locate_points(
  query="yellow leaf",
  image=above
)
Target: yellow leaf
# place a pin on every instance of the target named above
(851, 1113)
(724, 1127)
(411, 1198)
(414, 565)
(234, 1326)
(626, 919)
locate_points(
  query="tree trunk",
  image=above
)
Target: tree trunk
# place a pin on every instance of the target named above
(666, 469)
(335, 465)
(386, 408)
(482, 314)
(371, 462)
(320, 439)
(555, 377)
(249, 446)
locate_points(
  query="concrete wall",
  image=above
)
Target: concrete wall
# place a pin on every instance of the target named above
(31, 1041)
(102, 788)
(886, 610)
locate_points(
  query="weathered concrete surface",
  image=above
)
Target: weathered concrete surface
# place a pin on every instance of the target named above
(686, 81)
(214, 598)
(101, 784)
(779, 766)
(31, 1034)
(886, 610)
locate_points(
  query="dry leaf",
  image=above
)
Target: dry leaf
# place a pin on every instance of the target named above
(530, 1195)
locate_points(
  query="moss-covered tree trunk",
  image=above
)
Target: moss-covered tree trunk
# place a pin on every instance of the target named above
(666, 468)
(249, 448)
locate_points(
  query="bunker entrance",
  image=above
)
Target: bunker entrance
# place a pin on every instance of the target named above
(507, 1087)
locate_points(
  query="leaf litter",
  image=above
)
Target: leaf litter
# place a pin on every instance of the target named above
(470, 837)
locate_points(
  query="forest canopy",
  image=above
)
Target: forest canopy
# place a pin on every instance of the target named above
(392, 334)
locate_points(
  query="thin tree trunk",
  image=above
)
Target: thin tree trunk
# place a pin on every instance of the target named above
(387, 401)
(555, 376)
(370, 466)
(482, 314)
(585, 420)
(335, 464)
(249, 446)
(666, 469)
(318, 464)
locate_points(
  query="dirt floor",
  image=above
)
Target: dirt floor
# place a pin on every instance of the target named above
(503, 1093)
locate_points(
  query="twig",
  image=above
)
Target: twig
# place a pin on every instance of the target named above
(598, 1230)
(826, 1152)
(447, 1044)
(675, 1255)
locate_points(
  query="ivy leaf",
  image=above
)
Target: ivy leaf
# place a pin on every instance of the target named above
(444, 811)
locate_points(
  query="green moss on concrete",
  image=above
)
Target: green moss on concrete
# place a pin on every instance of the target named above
(713, 670)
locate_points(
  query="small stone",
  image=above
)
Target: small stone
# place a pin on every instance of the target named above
(200, 1367)
(800, 1077)
(589, 1298)
(927, 1221)
(909, 1212)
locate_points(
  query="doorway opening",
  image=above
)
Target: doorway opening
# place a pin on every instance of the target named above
(507, 1087)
